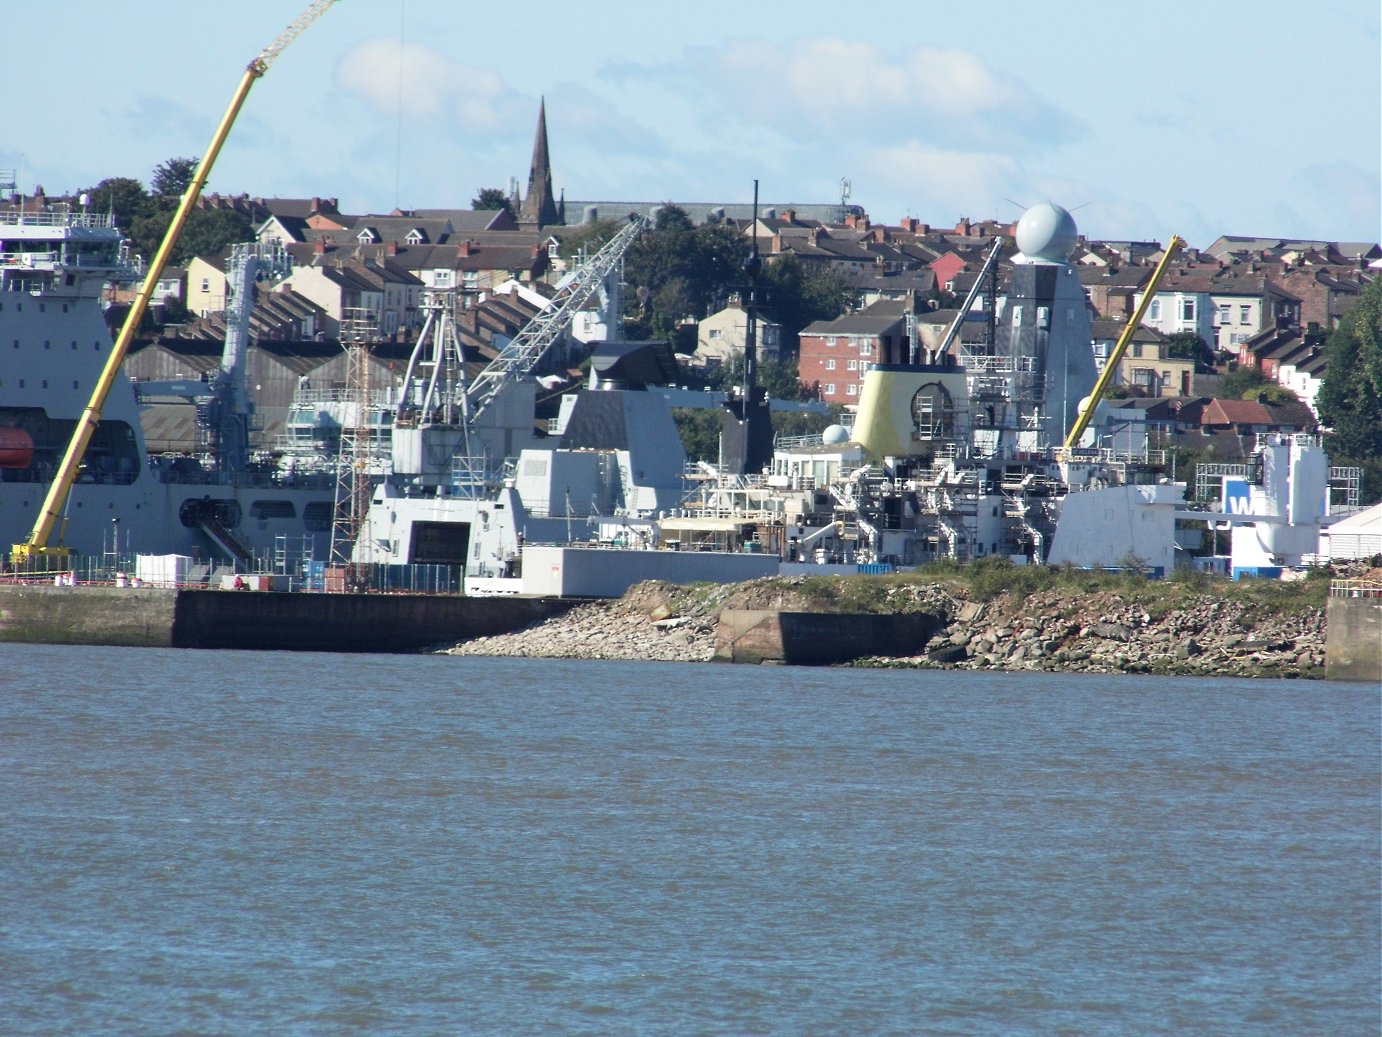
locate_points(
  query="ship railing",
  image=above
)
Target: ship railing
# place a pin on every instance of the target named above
(308, 396)
(995, 364)
(54, 218)
(28, 258)
(1355, 589)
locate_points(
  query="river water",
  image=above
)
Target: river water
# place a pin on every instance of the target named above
(246, 843)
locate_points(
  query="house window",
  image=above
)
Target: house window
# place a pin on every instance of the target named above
(714, 333)
(866, 349)
(852, 389)
(1223, 313)
(830, 341)
(1017, 316)
(1136, 350)
(854, 365)
(1155, 312)
(1244, 314)
(830, 364)
(830, 389)
(1187, 309)
(206, 284)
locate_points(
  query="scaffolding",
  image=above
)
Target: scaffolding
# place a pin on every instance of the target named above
(353, 463)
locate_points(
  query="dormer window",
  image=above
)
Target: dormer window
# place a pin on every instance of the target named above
(367, 237)
(415, 237)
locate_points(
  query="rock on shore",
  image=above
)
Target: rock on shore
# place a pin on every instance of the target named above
(1105, 634)
(1049, 630)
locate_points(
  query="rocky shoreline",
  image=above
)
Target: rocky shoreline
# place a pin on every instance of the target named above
(1051, 630)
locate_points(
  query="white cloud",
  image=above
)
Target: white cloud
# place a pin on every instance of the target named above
(935, 180)
(425, 84)
(944, 96)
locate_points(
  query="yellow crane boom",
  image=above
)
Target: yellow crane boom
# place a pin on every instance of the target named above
(1135, 322)
(23, 555)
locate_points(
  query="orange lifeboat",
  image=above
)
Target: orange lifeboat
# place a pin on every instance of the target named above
(16, 448)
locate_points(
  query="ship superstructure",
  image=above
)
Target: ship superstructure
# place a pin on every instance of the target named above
(56, 263)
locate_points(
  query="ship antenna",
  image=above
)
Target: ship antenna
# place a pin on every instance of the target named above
(752, 266)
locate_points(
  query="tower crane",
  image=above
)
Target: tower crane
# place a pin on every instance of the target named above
(37, 545)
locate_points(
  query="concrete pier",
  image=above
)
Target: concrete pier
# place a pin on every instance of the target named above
(166, 618)
(1354, 621)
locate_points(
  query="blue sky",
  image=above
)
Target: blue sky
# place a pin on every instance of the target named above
(1220, 117)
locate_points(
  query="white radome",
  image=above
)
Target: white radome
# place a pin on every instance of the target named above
(834, 435)
(1046, 232)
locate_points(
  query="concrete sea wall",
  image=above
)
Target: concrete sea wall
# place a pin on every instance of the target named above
(818, 639)
(1354, 651)
(153, 617)
(84, 615)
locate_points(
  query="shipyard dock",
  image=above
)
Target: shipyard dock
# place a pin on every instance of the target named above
(265, 621)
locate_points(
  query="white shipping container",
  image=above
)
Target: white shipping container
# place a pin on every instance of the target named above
(163, 570)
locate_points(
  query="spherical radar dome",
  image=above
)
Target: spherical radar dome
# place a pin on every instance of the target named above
(1046, 231)
(835, 435)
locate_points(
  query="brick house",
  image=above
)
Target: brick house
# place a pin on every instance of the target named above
(835, 353)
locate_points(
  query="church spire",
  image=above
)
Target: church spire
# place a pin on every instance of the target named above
(539, 207)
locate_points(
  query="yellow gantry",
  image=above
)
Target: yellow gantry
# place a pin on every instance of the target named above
(1110, 365)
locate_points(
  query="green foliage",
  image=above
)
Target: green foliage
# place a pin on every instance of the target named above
(1350, 400)
(987, 578)
(491, 198)
(1242, 383)
(209, 231)
(122, 196)
(145, 216)
(679, 272)
(682, 272)
(777, 376)
(173, 311)
(171, 178)
(1187, 345)
(800, 423)
(796, 294)
(700, 432)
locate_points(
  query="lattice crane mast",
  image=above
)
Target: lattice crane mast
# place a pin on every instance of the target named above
(522, 354)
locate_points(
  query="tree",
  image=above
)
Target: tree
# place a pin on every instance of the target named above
(700, 432)
(1242, 383)
(796, 294)
(680, 271)
(171, 178)
(1350, 399)
(1187, 345)
(491, 198)
(777, 376)
(210, 231)
(121, 196)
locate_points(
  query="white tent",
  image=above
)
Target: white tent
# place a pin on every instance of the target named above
(1358, 536)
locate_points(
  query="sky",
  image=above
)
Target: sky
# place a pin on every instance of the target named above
(1259, 118)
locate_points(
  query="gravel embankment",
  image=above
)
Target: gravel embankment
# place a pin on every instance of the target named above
(1049, 630)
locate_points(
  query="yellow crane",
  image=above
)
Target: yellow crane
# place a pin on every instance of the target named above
(1135, 322)
(26, 554)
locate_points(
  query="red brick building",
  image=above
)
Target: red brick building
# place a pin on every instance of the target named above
(836, 353)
